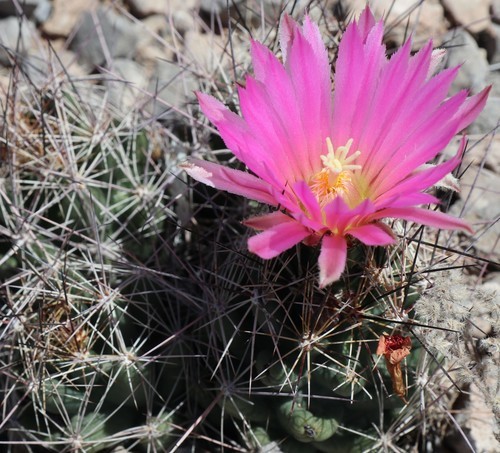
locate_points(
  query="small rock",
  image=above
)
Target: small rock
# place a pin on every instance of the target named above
(489, 118)
(25, 7)
(65, 61)
(42, 11)
(65, 15)
(144, 8)
(104, 35)
(493, 79)
(36, 68)
(126, 83)
(473, 15)
(496, 32)
(464, 51)
(154, 31)
(493, 282)
(206, 52)
(182, 5)
(479, 328)
(216, 12)
(495, 11)
(487, 40)
(481, 422)
(481, 151)
(216, 6)
(155, 40)
(479, 193)
(120, 449)
(156, 25)
(16, 39)
(171, 87)
(184, 21)
(147, 56)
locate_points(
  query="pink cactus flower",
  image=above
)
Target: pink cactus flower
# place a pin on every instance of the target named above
(335, 162)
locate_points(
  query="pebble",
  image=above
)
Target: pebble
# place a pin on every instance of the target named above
(65, 16)
(463, 50)
(170, 88)
(26, 7)
(184, 21)
(42, 11)
(480, 185)
(495, 11)
(65, 61)
(155, 40)
(489, 119)
(16, 35)
(495, 28)
(144, 8)
(104, 35)
(156, 24)
(126, 82)
(216, 6)
(183, 5)
(473, 15)
(206, 52)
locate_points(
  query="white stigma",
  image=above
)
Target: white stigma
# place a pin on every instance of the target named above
(337, 161)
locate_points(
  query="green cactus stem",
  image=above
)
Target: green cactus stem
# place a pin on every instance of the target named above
(303, 424)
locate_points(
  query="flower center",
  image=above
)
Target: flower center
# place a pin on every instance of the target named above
(335, 178)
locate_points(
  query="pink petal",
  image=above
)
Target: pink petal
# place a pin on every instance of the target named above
(267, 67)
(400, 112)
(233, 181)
(471, 108)
(264, 222)
(230, 125)
(373, 234)
(263, 118)
(407, 116)
(391, 89)
(237, 136)
(422, 144)
(366, 22)
(424, 216)
(307, 198)
(313, 93)
(347, 82)
(338, 215)
(281, 98)
(313, 36)
(289, 108)
(332, 259)
(374, 62)
(420, 180)
(277, 239)
(287, 30)
(406, 200)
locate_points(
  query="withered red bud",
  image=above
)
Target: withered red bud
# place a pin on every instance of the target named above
(395, 348)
